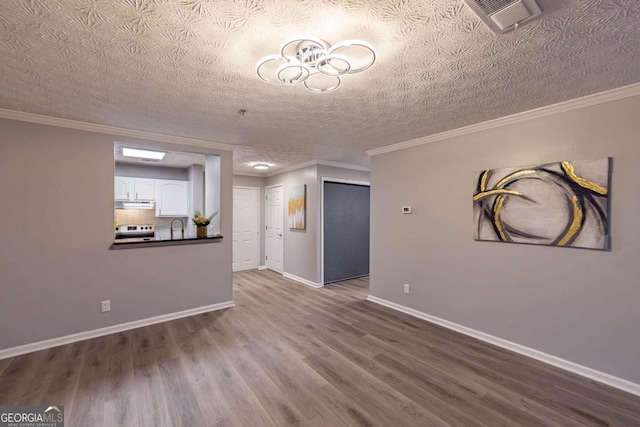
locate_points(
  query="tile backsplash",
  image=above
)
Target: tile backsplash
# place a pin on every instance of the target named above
(135, 216)
(148, 216)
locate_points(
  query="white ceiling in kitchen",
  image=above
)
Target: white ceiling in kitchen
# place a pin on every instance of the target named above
(185, 68)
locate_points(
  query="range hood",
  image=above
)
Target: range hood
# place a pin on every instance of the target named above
(137, 204)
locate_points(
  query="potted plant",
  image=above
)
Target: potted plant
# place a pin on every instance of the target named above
(201, 222)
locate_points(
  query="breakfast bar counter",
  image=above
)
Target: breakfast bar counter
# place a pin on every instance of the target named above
(161, 241)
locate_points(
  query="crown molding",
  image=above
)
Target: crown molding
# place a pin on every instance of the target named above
(109, 130)
(253, 175)
(291, 168)
(561, 107)
(317, 163)
(344, 165)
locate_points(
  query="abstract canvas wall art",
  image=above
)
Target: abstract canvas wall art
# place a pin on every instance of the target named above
(558, 204)
(297, 207)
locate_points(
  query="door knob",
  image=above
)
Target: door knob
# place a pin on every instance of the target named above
(279, 235)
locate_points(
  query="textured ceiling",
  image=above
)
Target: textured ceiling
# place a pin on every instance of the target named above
(185, 68)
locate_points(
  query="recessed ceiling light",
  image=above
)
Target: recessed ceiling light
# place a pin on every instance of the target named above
(143, 154)
(261, 166)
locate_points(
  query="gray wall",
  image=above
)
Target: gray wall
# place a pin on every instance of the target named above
(576, 304)
(341, 173)
(155, 172)
(255, 181)
(301, 246)
(195, 173)
(57, 263)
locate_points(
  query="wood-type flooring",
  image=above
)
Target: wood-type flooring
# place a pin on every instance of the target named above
(287, 354)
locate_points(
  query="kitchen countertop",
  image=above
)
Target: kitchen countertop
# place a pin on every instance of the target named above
(163, 241)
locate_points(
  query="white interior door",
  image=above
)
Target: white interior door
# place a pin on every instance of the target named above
(246, 228)
(274, 221)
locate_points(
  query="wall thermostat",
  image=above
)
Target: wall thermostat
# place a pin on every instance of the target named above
(406, 209)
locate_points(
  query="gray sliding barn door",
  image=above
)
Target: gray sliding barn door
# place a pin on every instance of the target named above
(346, 231)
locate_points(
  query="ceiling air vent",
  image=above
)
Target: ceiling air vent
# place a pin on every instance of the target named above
(504, 15)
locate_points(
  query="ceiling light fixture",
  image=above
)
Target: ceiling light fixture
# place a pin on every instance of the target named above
(261, 166)
(315, 63)
(143, 154)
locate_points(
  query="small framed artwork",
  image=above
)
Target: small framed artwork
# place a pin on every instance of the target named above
(562, 204)
(297, 207)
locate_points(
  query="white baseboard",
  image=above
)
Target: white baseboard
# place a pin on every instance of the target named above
(68, 339)
(584, 371)
(262, 267)
(301, 280)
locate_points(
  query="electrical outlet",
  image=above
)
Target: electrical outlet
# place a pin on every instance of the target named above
(407, 288)
(105, 306)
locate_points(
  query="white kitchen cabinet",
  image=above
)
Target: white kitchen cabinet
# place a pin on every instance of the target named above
(145, 189)
(172, 198)
(127, 188)
(124, 188)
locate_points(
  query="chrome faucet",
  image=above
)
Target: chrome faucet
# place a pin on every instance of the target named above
(181, 222)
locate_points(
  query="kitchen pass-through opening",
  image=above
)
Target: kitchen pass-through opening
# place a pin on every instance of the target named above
(153, 196)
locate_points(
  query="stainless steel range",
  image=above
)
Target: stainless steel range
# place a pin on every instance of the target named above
(142, 232)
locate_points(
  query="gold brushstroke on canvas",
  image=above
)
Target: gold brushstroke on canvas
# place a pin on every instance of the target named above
(582, 200)
(585, 183)
(296, 205)
(576, 224)
(484, 194)
(496, 217)
(514, 175)
(483, 180)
